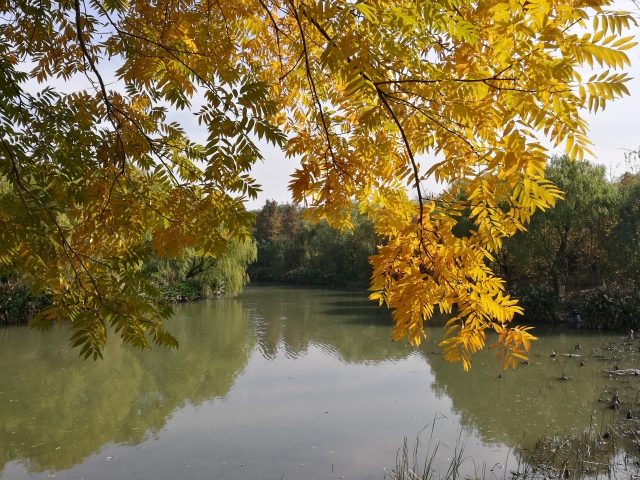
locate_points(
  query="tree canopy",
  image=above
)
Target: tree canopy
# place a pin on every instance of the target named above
(370, 95)
(572, 236)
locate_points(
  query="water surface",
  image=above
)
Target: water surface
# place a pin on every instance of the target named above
(286, 383)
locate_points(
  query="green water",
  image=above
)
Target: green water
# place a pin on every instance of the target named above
(284, 383)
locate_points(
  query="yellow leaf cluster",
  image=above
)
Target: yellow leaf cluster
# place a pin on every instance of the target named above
(373, 97)
(475, 85)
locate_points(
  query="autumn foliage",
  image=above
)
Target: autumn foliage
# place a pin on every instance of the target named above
(370, 96)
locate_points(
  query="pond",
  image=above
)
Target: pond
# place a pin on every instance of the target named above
(288, 383)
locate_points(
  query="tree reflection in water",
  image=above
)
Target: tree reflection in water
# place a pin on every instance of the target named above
(58, 410)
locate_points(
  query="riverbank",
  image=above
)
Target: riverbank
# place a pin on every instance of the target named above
(18, 305)
(589, 456)
(610, 308)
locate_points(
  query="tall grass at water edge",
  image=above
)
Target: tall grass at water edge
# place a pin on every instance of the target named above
(590, 456)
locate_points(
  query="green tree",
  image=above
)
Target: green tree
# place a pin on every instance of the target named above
(307, 253)
(569, 242)
(338, 258)
(194, 275)
(291, 216)
(278, 233)
(624, 242)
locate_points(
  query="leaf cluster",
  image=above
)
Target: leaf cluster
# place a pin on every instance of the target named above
(102, 176)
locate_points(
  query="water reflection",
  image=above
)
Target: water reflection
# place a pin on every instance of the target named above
(345, 324)
(517, 407)
(311, 383)
(58, 409)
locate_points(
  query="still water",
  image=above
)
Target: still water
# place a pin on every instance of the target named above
(286, 383)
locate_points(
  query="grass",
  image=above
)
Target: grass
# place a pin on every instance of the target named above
(609, 454)
(410, 466)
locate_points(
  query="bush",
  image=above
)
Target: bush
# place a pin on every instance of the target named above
(17, 303)
(541, 306)
(611, 308)
(181, 291)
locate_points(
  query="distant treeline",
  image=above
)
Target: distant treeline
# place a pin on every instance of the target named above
(294, 250)
(581, 257)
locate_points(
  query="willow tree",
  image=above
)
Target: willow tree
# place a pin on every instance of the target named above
(371, 96)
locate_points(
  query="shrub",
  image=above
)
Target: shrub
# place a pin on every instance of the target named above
(541, 306)
(611, 308)
(181, 291)
(17, 303)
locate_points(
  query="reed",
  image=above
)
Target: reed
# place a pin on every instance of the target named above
(411, 465)
(605, 454)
